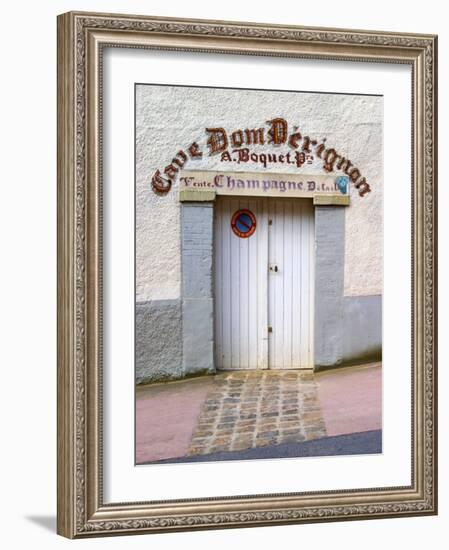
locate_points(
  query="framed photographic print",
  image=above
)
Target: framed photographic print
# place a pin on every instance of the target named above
(246, 274)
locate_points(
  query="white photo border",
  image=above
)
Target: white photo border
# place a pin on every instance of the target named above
(122, 68)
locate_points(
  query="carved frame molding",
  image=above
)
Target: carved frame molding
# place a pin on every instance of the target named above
(81, 38)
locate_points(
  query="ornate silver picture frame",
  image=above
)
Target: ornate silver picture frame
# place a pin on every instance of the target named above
(83, 510)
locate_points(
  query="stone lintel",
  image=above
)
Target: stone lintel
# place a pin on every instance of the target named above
(190, 195)
(331, 200)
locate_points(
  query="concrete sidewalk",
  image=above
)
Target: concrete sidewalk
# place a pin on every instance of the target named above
(236, 411)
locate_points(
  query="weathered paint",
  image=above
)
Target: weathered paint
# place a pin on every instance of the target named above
(329, 284)
(349, 240)
(158, 340)
(362, 329)
(353, 124)
(348, 329)
(248, 184)
(197, 297)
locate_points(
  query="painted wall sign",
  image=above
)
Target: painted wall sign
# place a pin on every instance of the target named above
(237, 146)
(243, 223)
(261, 184)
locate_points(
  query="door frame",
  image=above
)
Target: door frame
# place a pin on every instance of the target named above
(264, 343)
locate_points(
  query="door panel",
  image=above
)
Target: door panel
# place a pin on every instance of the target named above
(290, 284)
(240, 288)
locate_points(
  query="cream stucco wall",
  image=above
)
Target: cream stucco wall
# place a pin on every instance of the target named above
(171, 118)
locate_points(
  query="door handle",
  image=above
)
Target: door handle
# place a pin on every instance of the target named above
(274, 268)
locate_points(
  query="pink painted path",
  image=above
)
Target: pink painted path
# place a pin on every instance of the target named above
(351, 399)
(166, 415)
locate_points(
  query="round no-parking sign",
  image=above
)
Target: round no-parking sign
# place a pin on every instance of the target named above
(243, 223)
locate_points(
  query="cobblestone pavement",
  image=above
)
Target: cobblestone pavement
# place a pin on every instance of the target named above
(247, 409)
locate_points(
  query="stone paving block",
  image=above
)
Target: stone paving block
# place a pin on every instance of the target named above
(246, 409)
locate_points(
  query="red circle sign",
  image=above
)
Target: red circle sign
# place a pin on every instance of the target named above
(243, 223)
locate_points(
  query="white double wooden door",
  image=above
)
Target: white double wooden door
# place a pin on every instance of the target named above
(264, 285)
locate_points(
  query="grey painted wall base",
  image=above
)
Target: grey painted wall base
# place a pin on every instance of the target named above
(329, 285)
(197, 231)
(348, 329)
(362, 329)
(175, 338)
(158, 341)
